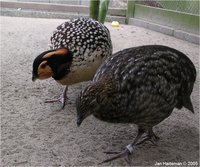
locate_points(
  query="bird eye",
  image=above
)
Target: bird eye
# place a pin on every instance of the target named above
(43, 65)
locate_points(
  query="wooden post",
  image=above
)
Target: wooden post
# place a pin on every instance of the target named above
(130, 10)
(94, 9)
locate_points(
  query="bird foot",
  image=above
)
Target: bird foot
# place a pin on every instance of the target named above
(62, 99)
(129, 149)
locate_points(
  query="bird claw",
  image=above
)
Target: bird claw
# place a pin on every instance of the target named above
(122, 154)
(62, 99)
(127, 159)
(111, 152)
(154, 140)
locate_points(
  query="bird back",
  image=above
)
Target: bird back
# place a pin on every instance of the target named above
(158, 71)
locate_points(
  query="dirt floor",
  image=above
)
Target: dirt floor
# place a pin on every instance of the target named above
(37, 134)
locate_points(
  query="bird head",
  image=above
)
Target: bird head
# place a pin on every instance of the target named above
(52, 63)
(87, 103)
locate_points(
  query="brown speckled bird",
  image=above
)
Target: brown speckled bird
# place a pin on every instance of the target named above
(78, 48)
(140, 85)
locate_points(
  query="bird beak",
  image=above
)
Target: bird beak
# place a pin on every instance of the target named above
(79, 121)
(34, 77)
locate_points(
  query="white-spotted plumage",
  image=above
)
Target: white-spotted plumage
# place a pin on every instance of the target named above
(85, 31)
(90, 43)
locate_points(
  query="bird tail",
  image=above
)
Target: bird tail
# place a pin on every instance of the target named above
(188, 104)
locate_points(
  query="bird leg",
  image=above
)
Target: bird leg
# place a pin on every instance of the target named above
(150, 137)
(129, 149)
(61, 99)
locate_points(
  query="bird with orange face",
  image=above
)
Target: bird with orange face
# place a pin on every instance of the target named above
(78, 47)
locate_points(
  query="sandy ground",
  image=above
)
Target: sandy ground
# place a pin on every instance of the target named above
(37, 134)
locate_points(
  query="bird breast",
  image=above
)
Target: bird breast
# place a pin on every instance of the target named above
(81, 71)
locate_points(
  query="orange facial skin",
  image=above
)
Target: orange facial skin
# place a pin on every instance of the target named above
(44, 71)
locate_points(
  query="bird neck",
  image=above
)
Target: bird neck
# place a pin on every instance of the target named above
(60, 65)
(60, 71)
